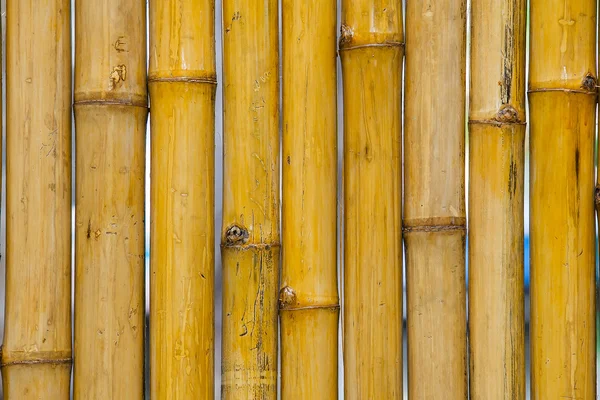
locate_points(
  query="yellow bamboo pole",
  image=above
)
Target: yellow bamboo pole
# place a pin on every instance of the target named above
(562, 102)
(182, 83)
(110, 117)
(309, 305)
(371, 50)
(36, 355)
(496, 165)
(434, 214)
(250, 233)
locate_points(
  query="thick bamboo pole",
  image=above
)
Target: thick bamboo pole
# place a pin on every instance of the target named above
(110, 116)
(182, 83)
(36, 355)
(562, 101)
(309, 305)
(496, 165)
(434, 214)
(250, 232)
(372, 50)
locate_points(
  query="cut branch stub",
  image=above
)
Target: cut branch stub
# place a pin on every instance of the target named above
(236, 235)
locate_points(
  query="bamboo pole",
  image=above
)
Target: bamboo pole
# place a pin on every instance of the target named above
(496, 165)
(434, 214)
(562, 102)
(371, 50)
(182, 83)
(110, 116)
(309, 305)
(36, 355)
(250, 233)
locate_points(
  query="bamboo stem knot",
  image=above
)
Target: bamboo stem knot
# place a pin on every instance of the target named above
(236, 235)
(287, 297)
(589, 83)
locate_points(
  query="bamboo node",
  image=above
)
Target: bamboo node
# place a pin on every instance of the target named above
(287, 297)
(236, 235)
(346, 35)
(507, 114)
(589, 82)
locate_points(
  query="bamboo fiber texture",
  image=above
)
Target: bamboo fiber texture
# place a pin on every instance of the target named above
(371, 49)
(182, 83)
(36, 355)
(110, 117)
(434, 201)
(309, 305)
(562, 102)
(250, 233)
(496, 165)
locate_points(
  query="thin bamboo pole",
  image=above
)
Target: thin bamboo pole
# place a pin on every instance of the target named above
(36, 355)
(309, 305)
(250, 233)
(496, 165)
(562, 102)
(110, 116)
(371, 50)
(434, 214)
(182, 83)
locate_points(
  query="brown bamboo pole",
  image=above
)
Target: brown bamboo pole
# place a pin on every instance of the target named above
(496, 165)
(434, 214)
(371, 47)
(36, 355)
(110, 117)
(250, 233)
(562, 102)
(309, 305)
(182, 83)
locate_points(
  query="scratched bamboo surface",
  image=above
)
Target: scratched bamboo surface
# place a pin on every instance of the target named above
(371, 47)
(496, 169)
(250, 233)
(182, 83)
(110, 117)
(36, 354)
(434, 201)
(562, 101)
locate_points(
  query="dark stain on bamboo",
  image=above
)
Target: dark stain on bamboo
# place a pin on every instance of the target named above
(577, 163)
(512, 178)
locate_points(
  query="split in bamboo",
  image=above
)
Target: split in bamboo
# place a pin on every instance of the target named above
(562, 104)
(309, 305)
(182, 83)
(434, 202)
(250, 232)
(110, 116)
(36, 355)
(371, 49)
(497, 162)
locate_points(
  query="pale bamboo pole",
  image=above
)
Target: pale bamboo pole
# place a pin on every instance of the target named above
(110, 116)
(36, 355)
(562, 102)
(182, 83)
(496, 165)
(434, 214)
(309, 305)
(250, 233)
(371, 50)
